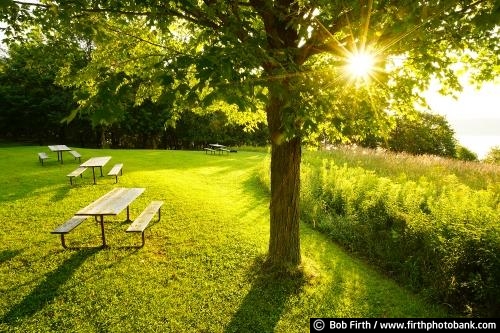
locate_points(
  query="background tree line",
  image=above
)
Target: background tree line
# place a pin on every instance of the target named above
(36, 109)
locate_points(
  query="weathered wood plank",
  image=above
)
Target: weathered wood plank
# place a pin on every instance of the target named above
(76, 172)
(69, 225)
(42, 156)
(212, 151)
(112, 203)
(142, 221)
(76, 155)
(115, 170)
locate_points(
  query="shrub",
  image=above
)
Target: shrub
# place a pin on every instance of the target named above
(465, 154)
(493, 155)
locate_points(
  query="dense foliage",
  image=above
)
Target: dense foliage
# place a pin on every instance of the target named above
(465, 154)
(438, 235)
(35, 107)
(493, 155)
(425, 134)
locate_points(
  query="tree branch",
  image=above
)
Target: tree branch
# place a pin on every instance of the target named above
(119, 31)
(34, 4)
(195, 17)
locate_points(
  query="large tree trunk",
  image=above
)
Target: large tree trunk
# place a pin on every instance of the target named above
(284, 243)
(282, 39)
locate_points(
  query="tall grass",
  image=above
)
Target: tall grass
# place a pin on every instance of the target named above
(430, 223)
(405, 166)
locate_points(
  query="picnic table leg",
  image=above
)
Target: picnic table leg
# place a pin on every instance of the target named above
(128, 215)
(93, 174)
(63, 242)
(102, 231)
(101, 171)
(61, 157)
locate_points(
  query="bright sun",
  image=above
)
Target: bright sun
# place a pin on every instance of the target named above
(361, 65)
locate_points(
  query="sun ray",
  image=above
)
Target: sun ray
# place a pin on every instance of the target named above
(412, 30)
(366, 26)
(361, 48)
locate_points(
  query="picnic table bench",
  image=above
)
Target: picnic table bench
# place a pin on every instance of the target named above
(115, 170)
(212, 151)
(42, 157)
(77, 155)
(142, 221)
(67, 226)
(75, 173)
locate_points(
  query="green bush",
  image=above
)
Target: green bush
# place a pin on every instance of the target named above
(464, 154)
(493, 155)
(439, 236)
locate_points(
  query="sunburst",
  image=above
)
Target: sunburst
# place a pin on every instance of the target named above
(361, 65)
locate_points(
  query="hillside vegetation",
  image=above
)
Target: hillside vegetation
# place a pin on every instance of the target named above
(432, 224)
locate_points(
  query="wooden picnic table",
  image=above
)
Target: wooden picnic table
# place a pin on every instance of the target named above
(59, 150)
(111, 204)
(96, 162)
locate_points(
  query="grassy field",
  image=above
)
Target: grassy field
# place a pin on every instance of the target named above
(201, 268)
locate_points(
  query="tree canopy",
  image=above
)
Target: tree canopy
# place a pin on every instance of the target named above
(493, 155)
(283, 60)
(423, 133)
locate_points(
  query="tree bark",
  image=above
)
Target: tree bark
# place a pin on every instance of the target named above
(284, 243)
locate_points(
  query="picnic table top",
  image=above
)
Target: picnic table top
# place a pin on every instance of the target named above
(59, 148)
(216, 145)
(112, 203)
(96, 161)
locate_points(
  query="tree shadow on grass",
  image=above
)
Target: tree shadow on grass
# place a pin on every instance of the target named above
(262, 307)
(61, 193)
(6, 255)
(48, 288)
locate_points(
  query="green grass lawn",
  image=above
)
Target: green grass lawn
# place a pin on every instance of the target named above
(201, 268)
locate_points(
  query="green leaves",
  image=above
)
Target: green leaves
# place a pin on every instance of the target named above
(424, 134)
(193, 55)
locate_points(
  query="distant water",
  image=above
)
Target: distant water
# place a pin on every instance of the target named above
(479, 144)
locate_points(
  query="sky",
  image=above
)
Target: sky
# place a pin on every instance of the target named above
(474, 116)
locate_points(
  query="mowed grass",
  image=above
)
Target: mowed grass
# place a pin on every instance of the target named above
(201, 268)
